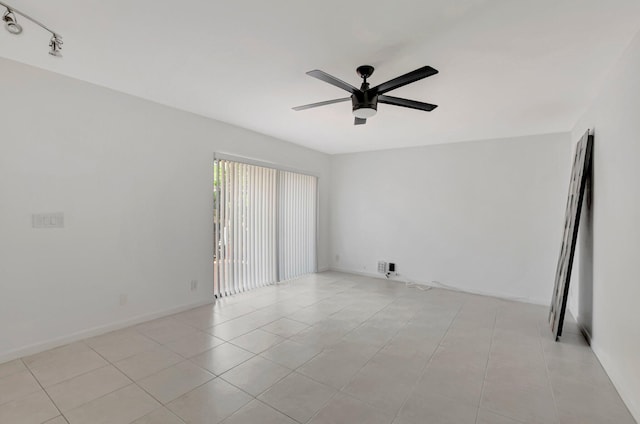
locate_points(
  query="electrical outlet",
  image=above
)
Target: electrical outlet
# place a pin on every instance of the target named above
(382, 267)
(123, 299)
(194, 285)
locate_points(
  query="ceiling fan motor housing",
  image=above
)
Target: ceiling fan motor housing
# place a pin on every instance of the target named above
(365, 99)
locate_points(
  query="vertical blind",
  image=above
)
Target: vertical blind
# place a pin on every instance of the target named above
(264, 226)
(244, 227)
(297, 224)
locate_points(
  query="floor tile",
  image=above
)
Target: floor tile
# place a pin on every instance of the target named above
(166, 330)
(203, 317)
(264, 316)
(258, 412)
(144, 364)
(35, 408)
(233, 328)
(580, 366)
(86, 387)
(159, 416)
(523, 402)
(403, 344)
(194, 344)
(121, 344)
(453, 356)
(256, 375)
(210, 403)
(346, 409)
(175, 381)
(488, 417)
(579, 401)
(11, 367)
(453, 380)
(384, 386)
(371, 334)
(513, 368)
(291, 354)
(257, 341)
(235, 310)
(120, 407)
(434, 408)
(64, 363)
(17, 385)
(285, 327)
(57, 420)
(320, 335)
(297, 396)
(308, 316)
(336, 367)
(222, 358)
(51, 354)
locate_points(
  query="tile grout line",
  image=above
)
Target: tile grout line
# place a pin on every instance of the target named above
(486, 370)
(546, 368)
(424, 367)
(500, 413)
(45, 392)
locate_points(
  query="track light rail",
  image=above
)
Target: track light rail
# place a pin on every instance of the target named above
(35, 21)
(12, 25)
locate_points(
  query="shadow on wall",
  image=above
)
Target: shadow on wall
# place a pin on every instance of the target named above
(585, 260)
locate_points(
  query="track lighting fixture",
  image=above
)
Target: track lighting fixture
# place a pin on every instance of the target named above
(10, 22)
(56, 45)
(12, 25)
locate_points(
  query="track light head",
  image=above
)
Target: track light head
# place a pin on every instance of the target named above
(56, 46)
(10, 22)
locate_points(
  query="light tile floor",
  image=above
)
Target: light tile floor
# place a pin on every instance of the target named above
(328, 348)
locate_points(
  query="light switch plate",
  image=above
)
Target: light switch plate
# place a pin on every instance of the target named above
(47, 220)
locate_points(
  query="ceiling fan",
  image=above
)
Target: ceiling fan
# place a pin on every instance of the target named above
(365, 100)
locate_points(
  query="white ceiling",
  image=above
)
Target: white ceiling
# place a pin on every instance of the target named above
(507, 67)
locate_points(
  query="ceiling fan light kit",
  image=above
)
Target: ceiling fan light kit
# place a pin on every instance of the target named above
(11, 24)
(364, 101)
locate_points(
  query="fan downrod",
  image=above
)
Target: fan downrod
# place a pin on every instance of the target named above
(365, 71)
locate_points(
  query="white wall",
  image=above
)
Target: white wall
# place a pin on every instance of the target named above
(134, 181)
(609, 269)
(484, 216)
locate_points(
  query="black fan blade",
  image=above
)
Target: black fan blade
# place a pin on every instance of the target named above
(328, 102)
(323, 76)
(359, 121)
(397, 101)
(413, 76)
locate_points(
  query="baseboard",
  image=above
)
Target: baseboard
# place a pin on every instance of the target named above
(585, 332)
(95, 331)
(631, 400)
(543, 302)
(360, 273)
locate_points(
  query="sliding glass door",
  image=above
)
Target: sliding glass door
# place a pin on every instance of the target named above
(264, 225)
